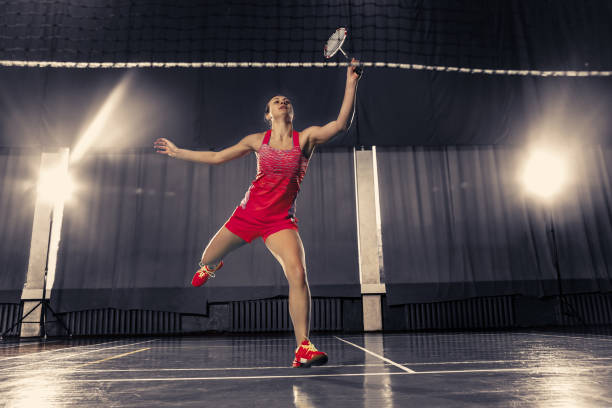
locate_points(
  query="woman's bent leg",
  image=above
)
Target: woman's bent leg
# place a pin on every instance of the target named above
(222, 243)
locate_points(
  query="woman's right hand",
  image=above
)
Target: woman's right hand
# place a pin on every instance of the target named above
(164, 146)
(353, 72)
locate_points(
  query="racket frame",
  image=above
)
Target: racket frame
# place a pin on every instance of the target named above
(339, 47)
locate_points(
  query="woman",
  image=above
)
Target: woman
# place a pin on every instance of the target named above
(267, 209)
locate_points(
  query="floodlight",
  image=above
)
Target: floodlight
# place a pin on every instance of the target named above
(545, 173)
(55, 185)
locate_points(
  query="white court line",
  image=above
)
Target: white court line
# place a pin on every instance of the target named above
(381, 364)
(224, 368)
(252, 377)
(72, 355)
(533, 370)
(378, 356)
(552, 370)
(415, 335)
(53, 351)
(521, 360)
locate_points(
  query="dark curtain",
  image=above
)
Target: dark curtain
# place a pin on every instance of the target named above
(18, 176)
(420, 108)
(328, 215)
(208, 108)
(456, 223)
(212, 108)
(133, 236)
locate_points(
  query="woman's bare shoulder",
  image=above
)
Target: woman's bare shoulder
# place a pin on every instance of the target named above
(254, 140)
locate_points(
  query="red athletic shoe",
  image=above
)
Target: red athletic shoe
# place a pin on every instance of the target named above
(202, 275)
(307, 355)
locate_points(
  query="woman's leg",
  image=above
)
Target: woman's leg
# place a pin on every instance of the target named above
(222, 243)
(286, 246)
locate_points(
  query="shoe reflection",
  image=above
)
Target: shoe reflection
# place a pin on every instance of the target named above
(301, 399)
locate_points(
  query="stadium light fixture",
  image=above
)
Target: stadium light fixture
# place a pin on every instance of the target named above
(55, 185)
(545, 172)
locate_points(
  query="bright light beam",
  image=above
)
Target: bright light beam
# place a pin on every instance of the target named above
(92, 132)
(545, 173)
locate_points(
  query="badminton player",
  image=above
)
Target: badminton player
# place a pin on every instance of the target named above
(268, 207)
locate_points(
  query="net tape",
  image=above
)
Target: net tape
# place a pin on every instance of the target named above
(416, 67)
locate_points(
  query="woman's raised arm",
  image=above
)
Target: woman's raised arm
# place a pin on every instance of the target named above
(242, 148)
(321, 134)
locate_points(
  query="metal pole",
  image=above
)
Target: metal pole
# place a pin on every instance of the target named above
(555, 259)
(43, 314)
(568, 311)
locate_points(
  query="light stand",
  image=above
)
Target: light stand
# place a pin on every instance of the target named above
(543, 175)
(44, 303)
(571, 310)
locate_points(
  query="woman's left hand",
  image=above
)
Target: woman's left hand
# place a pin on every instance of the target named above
(353, 72)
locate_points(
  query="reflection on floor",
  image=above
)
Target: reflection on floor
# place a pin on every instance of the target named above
(529, 368)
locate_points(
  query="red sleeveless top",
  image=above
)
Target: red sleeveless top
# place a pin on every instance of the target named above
(273, 193)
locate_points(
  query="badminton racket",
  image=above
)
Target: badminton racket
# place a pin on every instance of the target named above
(334, 44)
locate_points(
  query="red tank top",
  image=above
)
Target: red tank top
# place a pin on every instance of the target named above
(273, 193)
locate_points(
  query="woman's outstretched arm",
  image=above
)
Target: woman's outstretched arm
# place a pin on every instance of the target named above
(242, 148)
(321, 134)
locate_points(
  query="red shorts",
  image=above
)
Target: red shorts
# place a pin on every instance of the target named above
(249, 228)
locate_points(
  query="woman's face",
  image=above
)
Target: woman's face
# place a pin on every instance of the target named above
(280, 106)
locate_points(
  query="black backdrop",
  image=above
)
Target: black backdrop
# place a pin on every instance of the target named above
(457, 223)
(134, 232)
(212, 108)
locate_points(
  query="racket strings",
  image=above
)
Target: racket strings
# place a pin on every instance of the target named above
(334, 44)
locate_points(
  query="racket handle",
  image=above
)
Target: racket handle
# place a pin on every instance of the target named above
(358, 67)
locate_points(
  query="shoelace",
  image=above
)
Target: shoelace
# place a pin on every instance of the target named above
(205, 271)
(310, 347)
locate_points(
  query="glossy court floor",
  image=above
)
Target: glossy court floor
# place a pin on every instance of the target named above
(527, 368)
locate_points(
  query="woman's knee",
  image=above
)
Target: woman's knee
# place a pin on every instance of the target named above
(296, 274)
